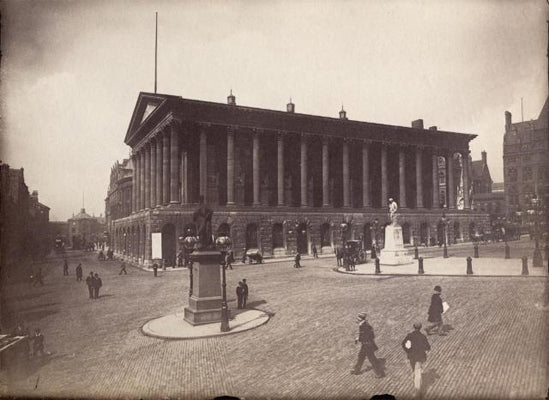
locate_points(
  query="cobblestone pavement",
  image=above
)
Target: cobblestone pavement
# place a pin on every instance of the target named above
(496, 347)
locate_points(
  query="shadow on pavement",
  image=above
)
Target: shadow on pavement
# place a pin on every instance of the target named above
(36, 315)
(429, 377)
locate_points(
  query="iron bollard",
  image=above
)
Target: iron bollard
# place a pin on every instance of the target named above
(476, 251)
(377, 266)
(538, 261)
(416, 253)
(155, 269)
(420, 270)
(469, 266)
(507, 251)
(524, 265)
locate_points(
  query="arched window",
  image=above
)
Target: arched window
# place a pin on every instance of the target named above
(251, 236)
(278, 237)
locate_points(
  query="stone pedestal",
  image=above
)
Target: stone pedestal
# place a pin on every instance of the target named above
(205, 302)
(394, 253)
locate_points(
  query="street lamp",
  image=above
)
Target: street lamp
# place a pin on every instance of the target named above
(189, 242)
(445, 222)
(223, 243)
(538, 261)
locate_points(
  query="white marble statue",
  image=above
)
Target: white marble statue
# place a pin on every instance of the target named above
(393, 207)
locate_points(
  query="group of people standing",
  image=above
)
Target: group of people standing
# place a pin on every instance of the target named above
(242, 293)
(94, 283)
(415, 344)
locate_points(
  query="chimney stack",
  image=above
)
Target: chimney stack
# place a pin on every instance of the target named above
(342, 113)
(433, 128)
(417, 124)
(290, 107)
(484, 157)
(231, 100)
(508, 120)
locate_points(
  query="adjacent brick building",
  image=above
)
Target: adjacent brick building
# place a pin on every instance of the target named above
(118, 203)
(282, 181)
(526, 161)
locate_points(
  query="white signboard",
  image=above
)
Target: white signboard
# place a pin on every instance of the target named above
(156, 243)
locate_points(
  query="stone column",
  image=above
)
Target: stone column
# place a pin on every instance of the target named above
(183, 175)
(325, 174)
(436, 200)
(280, 168)
(384, 183)
(304, 177)
(203, 163)
(147, 173)
(465, 162)
(142, 179)
(165, 168)
(159, 164)
(174, 163)
(450, 190)
(134, 181)
(230, 166)
(346, 183)
(153, 172)
(366, 202)
(402, 177)
(255, 168)
(419, 178)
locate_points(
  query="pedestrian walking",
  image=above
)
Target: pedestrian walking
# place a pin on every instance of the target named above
(368, 347)
(155, 269)
(228, 261)
(79, 272)
(89, 282)
(416, 346)
(435, 313)
(315, 251)
(297, 259)
(37, 343)
(96, 284)
(38, 278)
(123, 269)
(239, 294)
(244, 293)
(65, 268)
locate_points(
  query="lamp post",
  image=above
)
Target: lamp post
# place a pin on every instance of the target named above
(445, 222)
(223, 243)
(189, 243)
(537, 261)
(375, 230)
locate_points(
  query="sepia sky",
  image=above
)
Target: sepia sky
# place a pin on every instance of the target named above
(71, 72)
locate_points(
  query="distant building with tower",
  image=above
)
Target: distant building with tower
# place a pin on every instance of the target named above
(280, 181)
(84, 229)
(526, 161)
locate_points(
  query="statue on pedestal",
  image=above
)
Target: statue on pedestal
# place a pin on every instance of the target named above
(202, 218)
(393, 217)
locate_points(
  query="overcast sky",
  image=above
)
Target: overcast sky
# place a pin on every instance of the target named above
(72, 71)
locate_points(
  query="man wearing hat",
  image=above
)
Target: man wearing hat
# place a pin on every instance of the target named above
(416, 345)
(368, 347)
(435, 312)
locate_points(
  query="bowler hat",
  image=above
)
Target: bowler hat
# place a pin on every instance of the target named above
(438, 288)
(362, 315)
(417, 325)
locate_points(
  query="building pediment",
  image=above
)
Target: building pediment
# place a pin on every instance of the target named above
(146, 110)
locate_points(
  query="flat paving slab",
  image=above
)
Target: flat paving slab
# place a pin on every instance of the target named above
(456, 266)
(174, 326)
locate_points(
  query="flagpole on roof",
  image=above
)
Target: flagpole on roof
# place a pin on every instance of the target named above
(155, 48)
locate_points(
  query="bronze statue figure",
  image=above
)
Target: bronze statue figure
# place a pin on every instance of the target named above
(202, 218)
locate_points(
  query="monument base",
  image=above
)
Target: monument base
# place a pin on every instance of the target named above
(205, 302)
(394, 252)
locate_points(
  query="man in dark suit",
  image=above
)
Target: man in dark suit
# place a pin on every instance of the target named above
(435, 312)
(239, 294)
(65, 267)
(244, 293)
(96, 283)
(416, 346)
(368, 347)
(89, 282)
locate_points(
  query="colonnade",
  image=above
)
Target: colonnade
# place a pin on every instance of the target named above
(161, 169)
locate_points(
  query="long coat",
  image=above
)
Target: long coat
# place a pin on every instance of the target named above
(366, 335)
(419, 345)
(436, 309)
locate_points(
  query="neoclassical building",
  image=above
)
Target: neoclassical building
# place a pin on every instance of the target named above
(283, 181)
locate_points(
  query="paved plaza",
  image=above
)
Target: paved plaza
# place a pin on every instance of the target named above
(496, 345)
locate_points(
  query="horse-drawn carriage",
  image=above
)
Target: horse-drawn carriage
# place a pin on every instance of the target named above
(351, 254)
(252, 255)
